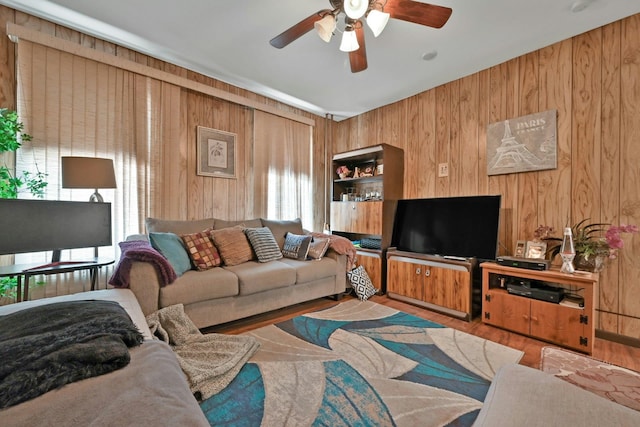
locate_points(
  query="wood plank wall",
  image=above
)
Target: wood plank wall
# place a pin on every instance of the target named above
(181, 194)
(593, 81)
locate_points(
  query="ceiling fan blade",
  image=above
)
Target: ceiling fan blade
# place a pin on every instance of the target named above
(358, 58)
(419, 13)
(298, 30)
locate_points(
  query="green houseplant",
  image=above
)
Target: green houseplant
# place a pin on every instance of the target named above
(594, 243)
(11, 139)
(11, 184)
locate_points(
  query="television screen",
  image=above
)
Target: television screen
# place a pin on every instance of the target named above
(49, 225)
(448, 226)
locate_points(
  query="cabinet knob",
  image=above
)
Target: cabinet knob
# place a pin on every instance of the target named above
(427, 273)
(353, 206)
(418, 270)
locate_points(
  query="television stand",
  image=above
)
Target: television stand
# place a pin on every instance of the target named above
(443, 284)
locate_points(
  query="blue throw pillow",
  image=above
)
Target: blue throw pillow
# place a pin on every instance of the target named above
(171, 247)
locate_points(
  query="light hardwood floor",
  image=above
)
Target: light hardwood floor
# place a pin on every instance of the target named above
(609, 351)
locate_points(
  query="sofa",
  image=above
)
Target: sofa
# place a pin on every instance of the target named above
(150, 391)
(523, 396)
(237, 286)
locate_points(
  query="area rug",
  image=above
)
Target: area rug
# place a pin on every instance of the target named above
(604, 379)
(360, 363)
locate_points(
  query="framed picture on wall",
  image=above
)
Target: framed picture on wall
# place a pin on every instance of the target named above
(536, 250)
(216, 153)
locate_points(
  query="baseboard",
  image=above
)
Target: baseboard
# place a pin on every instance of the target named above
(622, 339)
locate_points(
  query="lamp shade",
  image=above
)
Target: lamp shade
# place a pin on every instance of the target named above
(87, 172)
(325, 27)
(377, 20)
(349, 41)
(355, 8)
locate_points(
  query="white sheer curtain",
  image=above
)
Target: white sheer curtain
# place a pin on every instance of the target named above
(283, 162)
(73, 106)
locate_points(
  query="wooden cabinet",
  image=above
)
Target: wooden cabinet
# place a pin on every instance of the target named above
(564, 325)
(433, 282)
(364, 201)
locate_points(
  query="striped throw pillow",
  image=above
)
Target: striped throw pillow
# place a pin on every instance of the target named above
(263, 244)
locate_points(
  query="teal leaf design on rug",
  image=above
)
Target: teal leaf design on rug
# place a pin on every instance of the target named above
(349, 400)
(315, 331)
(241, 403)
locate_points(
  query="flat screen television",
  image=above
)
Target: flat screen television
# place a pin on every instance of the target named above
(28, 225)
(448, 226)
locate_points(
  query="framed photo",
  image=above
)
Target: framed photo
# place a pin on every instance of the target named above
(521, 248)
(536, 250)
(216, 153)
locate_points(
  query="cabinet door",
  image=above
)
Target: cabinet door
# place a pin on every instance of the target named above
(341, 216)
(557, 323)
(507, 311)
(372, 263)
(366, 217)
(447, 287)
(404, 278)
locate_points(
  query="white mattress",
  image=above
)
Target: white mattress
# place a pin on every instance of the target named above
(124, 297)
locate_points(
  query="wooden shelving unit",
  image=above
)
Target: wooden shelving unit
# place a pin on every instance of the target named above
(556, 323)
(364, 206)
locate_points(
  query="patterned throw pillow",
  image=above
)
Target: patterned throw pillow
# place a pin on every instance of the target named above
(318, 248)
(263, 244)
(202, 252)
(296, 246)
(233, 245)
(361, 283)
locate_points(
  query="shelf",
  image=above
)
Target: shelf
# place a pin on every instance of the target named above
(363, 179)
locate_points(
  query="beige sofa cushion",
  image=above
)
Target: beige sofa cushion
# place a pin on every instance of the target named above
(219, 224)
(195, 286)
(281, 228)
(308, 271)
(178, 226)
(256, 277)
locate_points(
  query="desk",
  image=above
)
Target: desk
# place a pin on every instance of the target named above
(33, 269)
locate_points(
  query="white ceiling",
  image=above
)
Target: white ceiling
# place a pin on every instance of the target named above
(229, 40)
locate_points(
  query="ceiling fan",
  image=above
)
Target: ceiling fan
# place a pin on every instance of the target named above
(375, 12)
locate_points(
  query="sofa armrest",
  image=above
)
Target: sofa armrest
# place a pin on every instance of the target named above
(341, 269)
(144, 283)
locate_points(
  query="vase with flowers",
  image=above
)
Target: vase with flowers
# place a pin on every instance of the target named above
(343, 172)
(594, 242)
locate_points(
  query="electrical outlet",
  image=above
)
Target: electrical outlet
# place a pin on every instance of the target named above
(443, 170)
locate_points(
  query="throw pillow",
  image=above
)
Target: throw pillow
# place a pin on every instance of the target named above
(233, 245)
(202, 252)
(318, 248)
(361, 283)
(171, 247)
(296, 246)
(263, 244)
(281, 228)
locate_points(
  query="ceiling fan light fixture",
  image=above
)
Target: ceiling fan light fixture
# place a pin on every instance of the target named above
(355, 9)
(325, 27)
(349, 41)
(377, 20)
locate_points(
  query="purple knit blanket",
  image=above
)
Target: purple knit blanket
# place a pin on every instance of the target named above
(140, 250)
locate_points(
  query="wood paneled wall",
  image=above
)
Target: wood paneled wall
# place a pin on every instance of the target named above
(180, 193)
(593, 81)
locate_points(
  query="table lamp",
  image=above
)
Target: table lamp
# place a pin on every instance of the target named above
(88, 172)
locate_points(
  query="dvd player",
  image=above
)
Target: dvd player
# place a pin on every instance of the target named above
(528, 263)
(539, 292)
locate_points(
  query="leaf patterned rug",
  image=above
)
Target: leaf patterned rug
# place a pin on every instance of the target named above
(360, 363)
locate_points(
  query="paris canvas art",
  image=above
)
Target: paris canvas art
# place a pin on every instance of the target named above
(522, 144)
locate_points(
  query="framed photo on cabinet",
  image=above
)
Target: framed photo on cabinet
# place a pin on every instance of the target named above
(536, 250)
(216, 153)
(521, 247)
